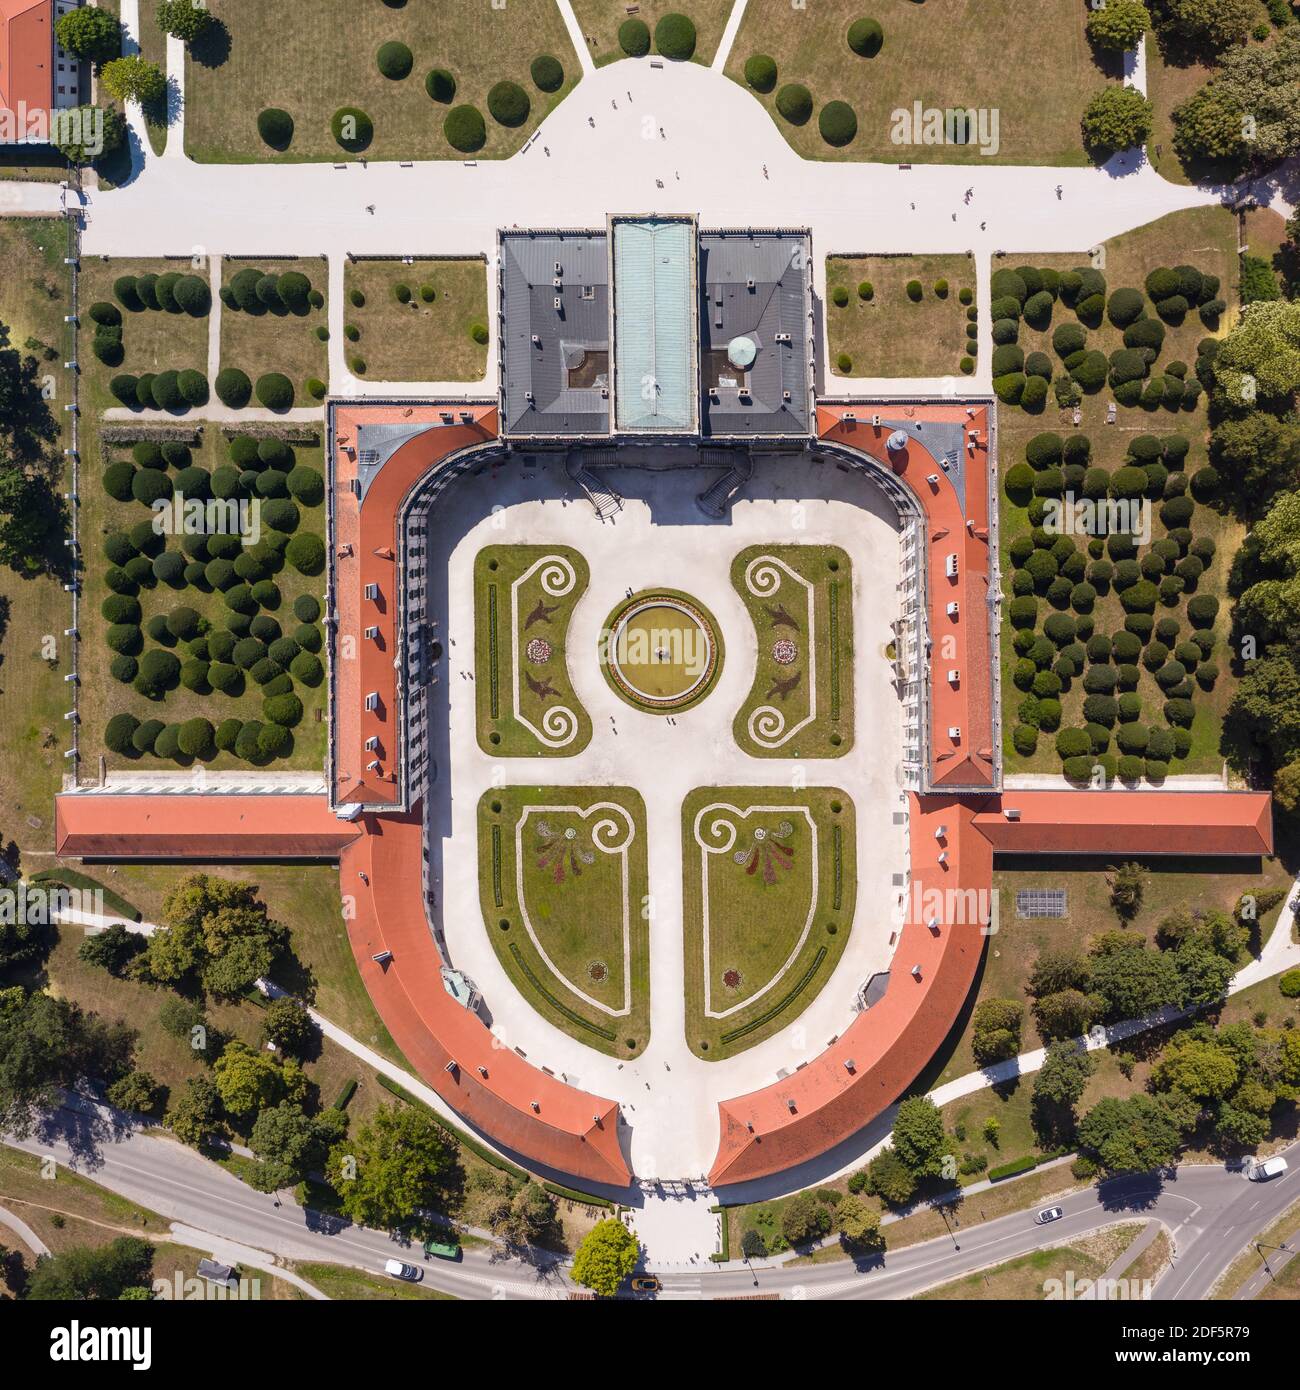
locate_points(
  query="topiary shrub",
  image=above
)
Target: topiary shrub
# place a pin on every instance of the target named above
(193, 387)
(307, 668)
(246, 746)
(838, 123)
(547, 73)
(508, 104)
(866, 37)
(675, 37)
(794, 102)
(306, 608)
(276, 128)
(634, 37)
(394, 60)
(440, 85)
(306, 553)
(150, 485)
(465, 129)
(352, 129)
(275, 391)
(233, 388)
(283, 709)
(279, 514)
(761, 72)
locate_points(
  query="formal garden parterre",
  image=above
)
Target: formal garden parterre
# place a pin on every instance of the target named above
(274, 323)
(564, 881)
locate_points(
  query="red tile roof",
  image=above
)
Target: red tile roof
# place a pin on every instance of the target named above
(367, 545)
(207, 825)
(960, 642)
(27, 54)
(513, 1102)
(820, 1105)
(1129, 822)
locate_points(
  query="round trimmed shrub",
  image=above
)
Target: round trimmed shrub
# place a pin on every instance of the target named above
(166, 391)
(275, 127)
(194, 675)
(283, 709)
(150, 485)
(440, 85)
(266, 593)
(117, 479)
(306, 553)
(275, 391)
(1124, 307)
(547, 72)
(233, 388)
(126, 388)
(307, 668)
(465, 129)
(273, 741)
(306, 608)
(1025, 739)
(866, 37)
(634, 37)
(675, 37)
(761, 72)
(794, 102)
(119, 732)
(227, 735)
(223, 677)
(394, 60)
(352, 129)
(508, 104)
(264, 628)
(246, 741)
(281, 515)
(838, 123)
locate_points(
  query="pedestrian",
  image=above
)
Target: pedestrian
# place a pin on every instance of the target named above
(983, 225)
(370, 208)
(591, 121)
(765, 171)
(613, 103)
(662, 136)
(546, 150)
(1058, 192)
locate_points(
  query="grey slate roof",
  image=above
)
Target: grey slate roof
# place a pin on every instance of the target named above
(565, 338)
(778, 303)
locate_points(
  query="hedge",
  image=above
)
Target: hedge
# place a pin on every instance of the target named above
(117, 479)
(70, 878)
(794, 102)
(761, 72)
(276, 128)
(394, 61)
(352, 129)
(275, 391)
(464, 129)
(1012, 1169)
(675, 37)
(547, 72)
(508, 104)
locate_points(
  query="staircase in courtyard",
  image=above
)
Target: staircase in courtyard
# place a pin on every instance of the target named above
(739, 467)
(606, 501)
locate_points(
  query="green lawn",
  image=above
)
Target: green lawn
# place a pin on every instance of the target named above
(779, 585)
(35, 293)
(1206, 238)
(103, 696)
(153, 46)
(781, 890)
(979, 54)
(427, 338)
(278, 340)
(670, 656)
(600, 20)
(258, 56)
(563, 882)
(890, 334)
(358, 1286)
(1025, 1279)
(509, 624)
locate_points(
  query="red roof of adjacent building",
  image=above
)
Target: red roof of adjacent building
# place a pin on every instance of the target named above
(886, 1047)
(961, 642)
(27, 54)
(1137, 823)
(198, 825)
(367, 545)
(517, 1105)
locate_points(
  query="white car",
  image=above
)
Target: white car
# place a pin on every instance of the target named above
(411, 1273)
(1270, 1168)
(1048, 1214)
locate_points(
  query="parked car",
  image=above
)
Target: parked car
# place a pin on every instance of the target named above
(645, 1283)
(1270, 1168)
(411, 1273)
(1048, 1214)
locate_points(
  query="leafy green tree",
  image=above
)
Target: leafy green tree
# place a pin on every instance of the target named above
(890, 1179)
(608, 1255)
(530, 1218)
(1238, 1127)
(1264, 715)
(919, 1139)
(138, 1091)
(1126, 888)
(90, 32)
(1058, 1088)
(1258, 454)
(398, 1162)
(1057, 970)
(1260, 358)
(804, 1219)
(195, 1115)
(1119, 24)
(859, 1223)
(134, 78)
(217, 930)
(1204, 973)
(1117, 118)
(94, 133)
(289, 1026)
(1135, 1134)
(290, 1144)
(85, 1274)
(1132, 980)
(112, 949)
(1198, 1067)
(31, 516)
(247, 1080)
(752, 1245)
(1067, 1013)
(996, 1030)
(1209, 125)
(183, 19)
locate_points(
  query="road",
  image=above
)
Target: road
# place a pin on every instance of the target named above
(1212, 1213)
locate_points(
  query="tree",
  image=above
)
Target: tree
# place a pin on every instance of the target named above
(134, 79)
(919, 1138)
(1259, 455)
(1199, 1067)
(47, 1044)
(1134, 1135)
(1119, 24)
(247, 1080)
(183, 19)
(290, 1144)
(1131, 980)
(90, 132)
(996, 1030)
(1261, 356)
(1117, 118)
(218, 930)
(137, 1091)
(1209, 125)
(1126, 887)
(1058, 1088)
(1066, 1013)
(752, 1245)
(30, 518)
(1204, 973)
(859, 1223)
(289, 1026)
(398, 1162)
(1265, 711)
(195, 1115)
(530, 1217)
(1057, 970)
(890, 1179)
(112, 950)
(1210, 25)
(608, 1255)
(92, 33)
(83, 1274)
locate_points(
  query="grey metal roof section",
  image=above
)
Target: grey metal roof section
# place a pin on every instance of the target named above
(756, 285)
(946, 441)
(559, 357)
(376, 444)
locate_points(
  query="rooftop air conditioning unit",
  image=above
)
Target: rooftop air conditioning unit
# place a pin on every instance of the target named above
(559, 304)
(1012, 813)
(875, 420)
(783, 337)
(950, 566)
(954, 608)
(932, 479)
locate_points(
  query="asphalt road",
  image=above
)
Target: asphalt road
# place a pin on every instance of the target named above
(1212, 1212)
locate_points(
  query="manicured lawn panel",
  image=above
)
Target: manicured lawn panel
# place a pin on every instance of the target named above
(278, 340)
